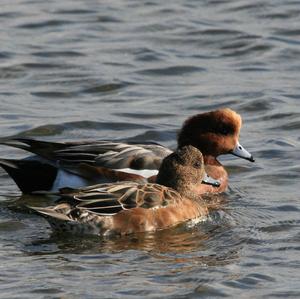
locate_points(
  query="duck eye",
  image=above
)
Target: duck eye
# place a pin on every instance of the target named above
(224, 131)
(197, 164)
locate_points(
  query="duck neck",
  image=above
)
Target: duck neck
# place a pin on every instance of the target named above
(211, 160)
(216, 170)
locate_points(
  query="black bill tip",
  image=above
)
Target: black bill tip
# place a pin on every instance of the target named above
(251, 159)
(207, 180)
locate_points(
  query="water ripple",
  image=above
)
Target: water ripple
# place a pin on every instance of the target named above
(134, 70)
(104, 88)
(58, 54)
(46, 24)
(172, 71)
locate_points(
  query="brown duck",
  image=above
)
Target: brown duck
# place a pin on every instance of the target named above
(130, 207)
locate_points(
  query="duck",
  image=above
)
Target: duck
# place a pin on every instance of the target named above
(81, 163)
(123, 208)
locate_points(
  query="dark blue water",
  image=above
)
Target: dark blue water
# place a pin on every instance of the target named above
(74, 70)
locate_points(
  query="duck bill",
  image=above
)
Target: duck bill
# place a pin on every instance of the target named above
(207, 180)
(239, 151)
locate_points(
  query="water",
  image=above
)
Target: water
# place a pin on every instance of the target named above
(135, 70)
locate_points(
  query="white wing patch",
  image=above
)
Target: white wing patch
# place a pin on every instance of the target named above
(144, 172)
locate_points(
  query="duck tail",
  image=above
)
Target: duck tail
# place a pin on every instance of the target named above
(43, 148)
(58, 217)
(59, 212)
(61, 220)
(30, 175)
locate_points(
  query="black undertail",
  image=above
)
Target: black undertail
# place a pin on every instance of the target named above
(30, 175)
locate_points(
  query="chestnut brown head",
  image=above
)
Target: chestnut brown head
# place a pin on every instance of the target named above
(214, 133)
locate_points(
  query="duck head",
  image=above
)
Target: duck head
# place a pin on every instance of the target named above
(214, 133)
(183, 170)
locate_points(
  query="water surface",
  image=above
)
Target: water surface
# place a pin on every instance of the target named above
(136, 70)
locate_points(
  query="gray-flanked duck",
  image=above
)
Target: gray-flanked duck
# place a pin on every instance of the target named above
(77, 164)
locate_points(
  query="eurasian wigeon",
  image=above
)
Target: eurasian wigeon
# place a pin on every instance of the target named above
(77, 164)
(129, 207)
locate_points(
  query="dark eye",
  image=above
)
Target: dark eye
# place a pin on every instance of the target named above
(224, 131)
(197, 164)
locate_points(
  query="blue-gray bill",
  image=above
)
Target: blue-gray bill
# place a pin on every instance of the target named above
(239, 151)
(210, 181)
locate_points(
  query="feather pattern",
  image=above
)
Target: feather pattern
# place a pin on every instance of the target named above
(114, 155)
(122, 196)
(128, 207)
